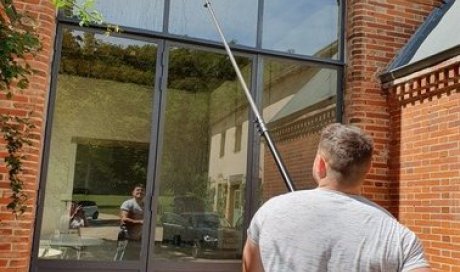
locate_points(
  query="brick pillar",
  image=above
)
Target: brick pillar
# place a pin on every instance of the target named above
(16, 234)
(376, 30)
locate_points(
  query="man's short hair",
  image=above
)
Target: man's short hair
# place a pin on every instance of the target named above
(346, 149)
(139, 185)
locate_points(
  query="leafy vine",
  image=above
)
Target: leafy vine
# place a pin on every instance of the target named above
(19, 41)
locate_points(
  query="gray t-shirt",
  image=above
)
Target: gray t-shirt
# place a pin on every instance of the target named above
(324, 230)
(136, 212)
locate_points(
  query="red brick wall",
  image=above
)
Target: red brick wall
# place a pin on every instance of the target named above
(297, 142)
(376, 30)
(425, 116)
(415, 171)
(16, 234)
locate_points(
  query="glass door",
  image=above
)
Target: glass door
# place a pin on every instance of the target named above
(99, 145)
(203, 159)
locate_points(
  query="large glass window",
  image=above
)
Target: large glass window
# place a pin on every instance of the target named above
(99, 147)
(190, 18)
(200, 204)
(98, 159)
(302, 27)
(298, 100)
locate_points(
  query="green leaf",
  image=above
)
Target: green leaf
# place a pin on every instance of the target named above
(11, 12)
(11, 205)
(23, 83)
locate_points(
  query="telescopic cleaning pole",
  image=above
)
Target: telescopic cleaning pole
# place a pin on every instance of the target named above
(260, 122)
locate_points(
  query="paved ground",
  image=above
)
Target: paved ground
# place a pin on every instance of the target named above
(107, 250)
(106, 229)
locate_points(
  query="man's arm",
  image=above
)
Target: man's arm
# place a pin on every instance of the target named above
(125, 218)
(251, 258)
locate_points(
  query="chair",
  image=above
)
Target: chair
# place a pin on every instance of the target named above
(46, 251)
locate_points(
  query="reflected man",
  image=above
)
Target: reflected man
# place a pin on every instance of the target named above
(132, 216)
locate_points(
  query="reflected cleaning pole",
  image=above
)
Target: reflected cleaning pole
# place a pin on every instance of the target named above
(260, 122)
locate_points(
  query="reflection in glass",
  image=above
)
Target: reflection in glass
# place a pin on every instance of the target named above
(200, 204)
(298, 101)
(190, 18)
(301, 27)
(99, 146)
(144, 14)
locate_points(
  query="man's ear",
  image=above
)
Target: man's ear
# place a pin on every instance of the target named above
(321, 167)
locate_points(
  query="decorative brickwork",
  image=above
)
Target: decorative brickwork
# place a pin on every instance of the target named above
(297, 143)
(16, 234)
(298, 155)
(425, 117)
(305, 126)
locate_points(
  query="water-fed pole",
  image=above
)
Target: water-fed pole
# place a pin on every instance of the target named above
(259, 120)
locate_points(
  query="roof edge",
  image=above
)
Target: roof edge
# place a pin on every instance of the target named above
(419, 65)
(410, 48)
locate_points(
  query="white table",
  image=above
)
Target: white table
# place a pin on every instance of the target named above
(79, 243)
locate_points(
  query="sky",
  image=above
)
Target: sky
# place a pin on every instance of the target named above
(302, 26)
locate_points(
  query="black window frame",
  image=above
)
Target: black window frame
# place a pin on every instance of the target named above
(163, 40)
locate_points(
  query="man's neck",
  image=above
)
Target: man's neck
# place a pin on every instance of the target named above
(139, 201)
(336, 186)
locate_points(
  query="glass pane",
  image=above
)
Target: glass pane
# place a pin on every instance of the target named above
(302, 27)
(298, 101)
(99, 148)
(201, 174)
(144, 14)
(190, 18)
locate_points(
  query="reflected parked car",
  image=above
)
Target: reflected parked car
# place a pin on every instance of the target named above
(81, 191)
(90, 208)
(205, 232)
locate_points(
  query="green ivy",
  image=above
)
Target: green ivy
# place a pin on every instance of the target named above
(84, 11)
(18, 41)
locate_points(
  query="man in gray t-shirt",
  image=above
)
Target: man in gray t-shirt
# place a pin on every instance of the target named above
(332, 228)
(132, 213)
(132, 216)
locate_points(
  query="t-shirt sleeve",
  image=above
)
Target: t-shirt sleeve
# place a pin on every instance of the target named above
(414, 256)
(254, 230)
(256, 225)
(126, 206)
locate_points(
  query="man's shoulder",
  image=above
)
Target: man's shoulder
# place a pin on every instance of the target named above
(287, 200)
(127, 203)
(376, 208)
(286, 197)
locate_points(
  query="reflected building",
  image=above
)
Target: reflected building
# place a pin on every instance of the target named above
(298, 101)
